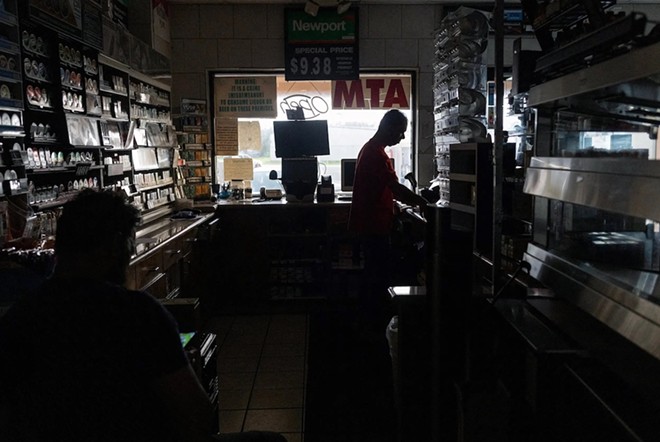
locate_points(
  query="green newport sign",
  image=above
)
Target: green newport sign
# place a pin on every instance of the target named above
(321, 47)
(326, 27)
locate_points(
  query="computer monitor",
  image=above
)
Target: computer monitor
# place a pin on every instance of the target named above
(306, 138)
(347, 174)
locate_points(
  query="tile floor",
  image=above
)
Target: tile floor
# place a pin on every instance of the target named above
(262, 369)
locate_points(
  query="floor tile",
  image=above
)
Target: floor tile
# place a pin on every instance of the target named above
(286, 349)
(238, 337)
(236, 381)
(283, 363)
(251, 323)
(231, 350)
(231, 421)
(234, 399)
(277, 398)
(238, 365)
(219, 325)
(285, 337)
(281, 420)
(280, 379)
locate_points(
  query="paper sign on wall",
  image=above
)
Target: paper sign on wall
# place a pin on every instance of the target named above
(254, 97)
(226, 136)
(249, 135)
(238, 169)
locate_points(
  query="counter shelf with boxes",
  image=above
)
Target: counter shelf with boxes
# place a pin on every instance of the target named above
(194, 155)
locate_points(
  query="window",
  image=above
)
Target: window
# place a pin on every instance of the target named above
(348, 129)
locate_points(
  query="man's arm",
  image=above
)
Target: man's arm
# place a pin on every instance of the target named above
(186, 403)
(406, 196)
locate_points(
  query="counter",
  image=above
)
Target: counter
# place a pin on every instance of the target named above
(164, 257)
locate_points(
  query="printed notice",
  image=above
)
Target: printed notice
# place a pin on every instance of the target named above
(254, 97)
(226, 136)
(249, 135)
(238, 169)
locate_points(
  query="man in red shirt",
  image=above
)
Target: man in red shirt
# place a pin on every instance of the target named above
(375, 188)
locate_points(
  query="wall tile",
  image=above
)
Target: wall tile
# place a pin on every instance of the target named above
(178, 61)
(363, 21)
(401, 52)
(425, 87)
(426, 54)
(198, 54)
(417, 21)
(267, 53)
(275, 21)
(188, 86)
(372, 53)
(216, 21)
(234, 54)
(384, 21)
(250, 21)
(186, 19)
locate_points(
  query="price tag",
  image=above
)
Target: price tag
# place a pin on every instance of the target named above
(315, 66)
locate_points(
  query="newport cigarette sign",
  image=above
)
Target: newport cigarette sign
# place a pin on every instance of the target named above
(323, 47)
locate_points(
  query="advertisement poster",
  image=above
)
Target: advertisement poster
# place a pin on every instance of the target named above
(321, 47)
(240, 97)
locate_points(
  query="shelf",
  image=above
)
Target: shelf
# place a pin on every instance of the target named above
(600, 79)
(10, 76)
(566, 16)
(60, 169)
(462, 207)
(113, 92)
(161, 202)
(196, 146)
(153, 186)
(11, 103)
(463, 177)
(8, 18)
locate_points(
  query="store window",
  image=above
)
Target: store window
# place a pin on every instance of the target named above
(351, 121)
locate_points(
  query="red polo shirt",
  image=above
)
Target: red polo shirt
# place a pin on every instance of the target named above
(372, 207)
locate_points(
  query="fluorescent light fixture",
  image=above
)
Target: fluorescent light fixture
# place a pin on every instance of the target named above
(311, 8)
(343, 6)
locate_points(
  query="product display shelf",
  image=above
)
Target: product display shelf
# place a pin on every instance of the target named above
(459, 88)
(153, 183)
(11, 85)
(195, 156)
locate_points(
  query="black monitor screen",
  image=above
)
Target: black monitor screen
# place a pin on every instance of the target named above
(296, 139)
(300, 170)
(347, 174)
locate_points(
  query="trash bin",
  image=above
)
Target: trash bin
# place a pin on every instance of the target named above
(392, 335)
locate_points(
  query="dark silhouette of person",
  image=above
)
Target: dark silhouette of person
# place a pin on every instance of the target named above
(82, 358)
(375, 189)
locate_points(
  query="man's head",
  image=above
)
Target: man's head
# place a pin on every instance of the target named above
(97, 230)
(392, 127)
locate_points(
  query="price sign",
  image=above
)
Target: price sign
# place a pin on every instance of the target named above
(322, 47)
